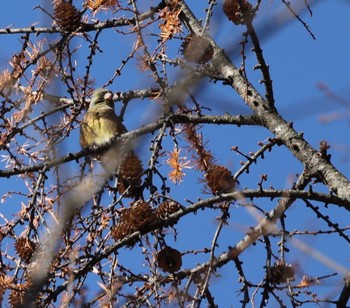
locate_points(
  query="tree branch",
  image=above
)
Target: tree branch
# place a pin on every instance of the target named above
(127, 137)
(284, 131)
(288, 197)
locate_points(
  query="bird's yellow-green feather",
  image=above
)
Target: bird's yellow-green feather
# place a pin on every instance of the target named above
(100, 125)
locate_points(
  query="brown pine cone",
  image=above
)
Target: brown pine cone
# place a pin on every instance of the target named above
(167, 208)
(25, 249)
(219, 179)
(139, 217)
(16, 296)
(5, 283)
(197, 49)
(67, 16)
(236, 13)
(169, 259)
(129, 176)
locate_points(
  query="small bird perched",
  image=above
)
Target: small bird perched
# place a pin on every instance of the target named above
(100, 124)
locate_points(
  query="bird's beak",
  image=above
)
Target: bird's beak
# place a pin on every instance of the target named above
(108, 97)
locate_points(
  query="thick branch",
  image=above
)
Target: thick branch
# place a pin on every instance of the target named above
(149, 128)
(284, 131)
(345, 294)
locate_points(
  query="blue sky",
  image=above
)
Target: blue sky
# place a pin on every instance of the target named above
(298, 65)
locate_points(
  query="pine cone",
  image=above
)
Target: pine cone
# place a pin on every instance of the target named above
(169, 259)
(139, 217)
(16, 296)
(167, 208)
(236, 13)
(25, 249)
(129, 176)
(197, 49)
(67, 16)
(281, 272)
(220, 179)
(5, 283)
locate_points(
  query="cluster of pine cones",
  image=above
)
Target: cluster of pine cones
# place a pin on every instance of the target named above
(141, 217)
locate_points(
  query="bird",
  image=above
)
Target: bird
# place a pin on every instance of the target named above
(100, 123)
(100, 126)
